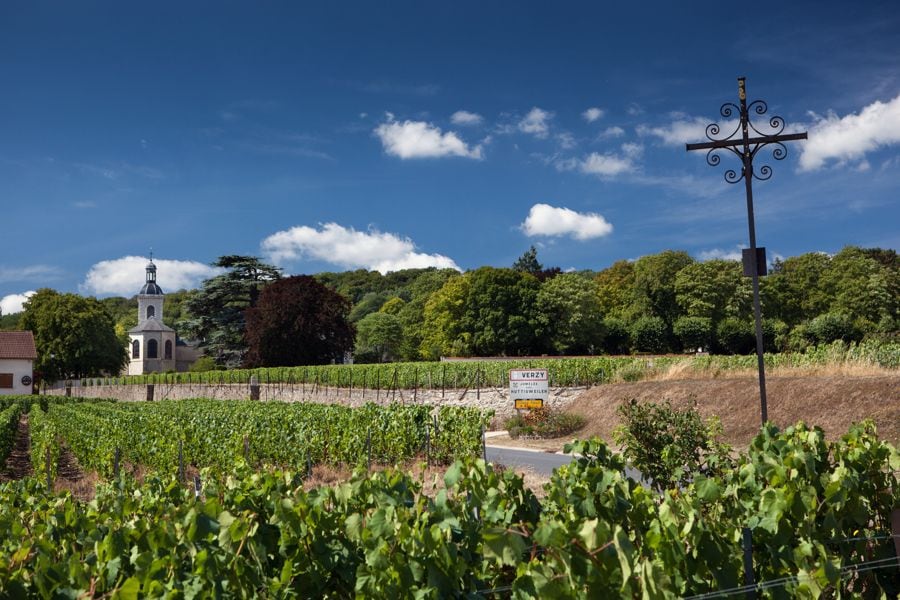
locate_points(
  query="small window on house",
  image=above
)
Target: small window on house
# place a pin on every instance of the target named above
(152, 349)
(167, 353)
(151, 311)
(6, 380)
(135, 349)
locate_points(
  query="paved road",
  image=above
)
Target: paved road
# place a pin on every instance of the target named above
(540, 462)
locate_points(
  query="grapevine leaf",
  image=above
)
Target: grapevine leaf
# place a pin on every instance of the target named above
(503, 546)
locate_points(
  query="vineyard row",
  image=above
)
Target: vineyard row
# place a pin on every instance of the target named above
(495, 373)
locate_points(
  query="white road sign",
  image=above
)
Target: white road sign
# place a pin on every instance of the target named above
(529, 384)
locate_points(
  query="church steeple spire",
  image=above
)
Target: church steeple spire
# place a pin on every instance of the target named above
(150, 287)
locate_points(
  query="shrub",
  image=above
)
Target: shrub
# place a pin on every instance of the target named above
(543, 423)
(617, 336)
(831, 327)
(650, 334)
(204, 363)
(799, 339)
(775, 335)
(667, 445)
(693, 332)
(736, 336)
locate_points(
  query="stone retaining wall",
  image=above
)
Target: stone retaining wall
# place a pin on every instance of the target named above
(495, 399)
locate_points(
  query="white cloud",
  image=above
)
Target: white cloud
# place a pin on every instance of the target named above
(719, 254)
(606, 165)
(418, 139)
(563, 164)
(13, 302)
(536, 122)
(566, 140)
(849, 138)
(464, 117)
(39, 273)
(592, 114)
(125, 276)
(544, 219)
(351, 249)
(632, 150)
(683, 130)
(611, 132)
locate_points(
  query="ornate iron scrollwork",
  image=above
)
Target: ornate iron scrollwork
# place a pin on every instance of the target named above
(737, 136)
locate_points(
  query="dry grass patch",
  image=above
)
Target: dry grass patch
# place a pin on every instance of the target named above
(686, 370)
(831, 402)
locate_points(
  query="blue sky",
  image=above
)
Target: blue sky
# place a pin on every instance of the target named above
(336, 135)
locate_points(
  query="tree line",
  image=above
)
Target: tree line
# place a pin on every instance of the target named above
(665, 302)
(251, 315)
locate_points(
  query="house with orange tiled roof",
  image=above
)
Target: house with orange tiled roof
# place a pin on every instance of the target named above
(17, 356)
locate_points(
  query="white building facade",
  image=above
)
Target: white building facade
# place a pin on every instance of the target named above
(17, 356)
(152, 344)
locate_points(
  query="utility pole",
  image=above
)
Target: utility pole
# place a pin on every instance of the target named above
(745, 147)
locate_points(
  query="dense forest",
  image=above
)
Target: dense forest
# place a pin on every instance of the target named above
(666, 302)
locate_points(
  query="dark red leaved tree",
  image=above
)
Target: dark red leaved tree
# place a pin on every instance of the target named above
(297, 321)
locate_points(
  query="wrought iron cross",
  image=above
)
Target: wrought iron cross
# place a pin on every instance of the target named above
(746, 148)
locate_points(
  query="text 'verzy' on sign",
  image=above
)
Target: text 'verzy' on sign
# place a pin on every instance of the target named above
(529, 384)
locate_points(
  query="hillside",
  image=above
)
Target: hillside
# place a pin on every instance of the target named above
(831, 402)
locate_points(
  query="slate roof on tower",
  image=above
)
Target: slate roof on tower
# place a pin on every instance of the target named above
(151, 324)
(150, 288)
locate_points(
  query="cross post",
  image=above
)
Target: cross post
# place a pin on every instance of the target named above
(746, 147)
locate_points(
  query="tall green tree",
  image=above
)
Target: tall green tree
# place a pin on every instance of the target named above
(298, 321)
(862, 287)
(378, 337)
(75, 336)
(442, 324)
(412, 313)
(217, 320)
(713, 290)
(10, 321)
(654, 284)
(368, 304)
(615, 290)
(501, 312)
(393, 306)
(528, 263)
(569, 314)
(793, 291)
(485, 312)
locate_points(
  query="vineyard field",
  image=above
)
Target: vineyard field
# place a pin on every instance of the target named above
(818, 512)
(163, 436)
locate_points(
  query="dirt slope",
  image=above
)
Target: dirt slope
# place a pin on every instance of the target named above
(832, 402)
